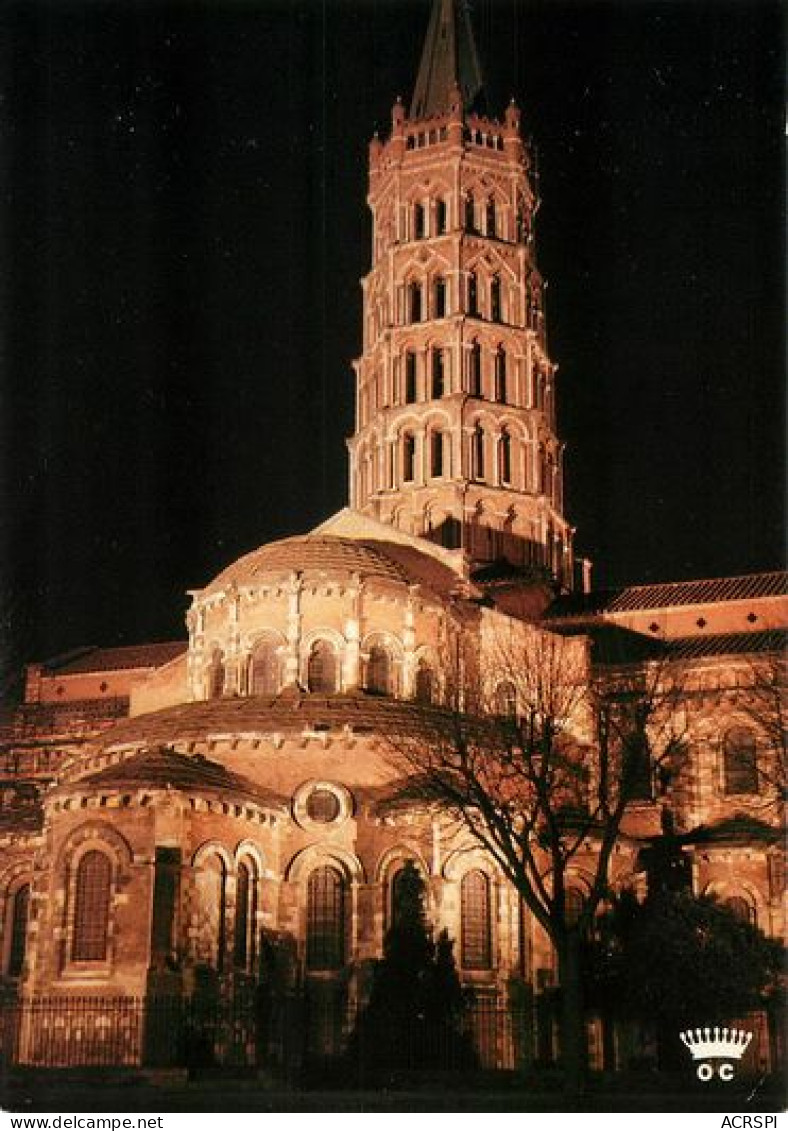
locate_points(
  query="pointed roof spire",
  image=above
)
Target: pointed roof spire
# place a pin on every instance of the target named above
(449, 62)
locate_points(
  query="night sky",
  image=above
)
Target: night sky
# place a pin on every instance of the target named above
(184, 229)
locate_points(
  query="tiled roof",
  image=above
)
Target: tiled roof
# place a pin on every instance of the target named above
(740, 828)
(668, 594)
(291, 712)
(8, 723)
(162, 767)
(21, 819)
(419, 568)
(703, 592)
(37, 717)
(614, 645)
(116, 659)
(728, 644)
(309, 553)
(324, 554)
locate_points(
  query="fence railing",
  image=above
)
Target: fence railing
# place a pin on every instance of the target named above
(289, 1034)
(286, 1032)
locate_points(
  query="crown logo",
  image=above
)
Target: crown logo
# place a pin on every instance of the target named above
(707, 1043)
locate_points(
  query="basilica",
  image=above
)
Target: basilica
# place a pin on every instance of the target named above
(183, 818)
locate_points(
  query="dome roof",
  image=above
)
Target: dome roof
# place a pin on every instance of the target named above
(163, 768)
(329, 554)
(290, 712)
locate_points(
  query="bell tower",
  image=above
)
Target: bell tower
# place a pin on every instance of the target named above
(455, 436)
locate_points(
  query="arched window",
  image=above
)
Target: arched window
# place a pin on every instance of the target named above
(505, 457)
(470, 214)
(741, 909)
(410, 377)
(438, 374)
(322, 668)
(245, 916)
(217, 675)
(325, 920)
(20, 909)
(473, 294)
(740, 762)
(449, 532)
(574, 902)
(418, 222)
(91, 907)
(500, 375)
(541, 472)
(522, 222)
(495, 298)
(475, 933)
(436, 454)
(379, 670)
(538, 388)
(264, 669)
(398, 896)
(408, 457)
(549, 486)
(212, 907)
(492, 226)
(506, 698)
(637, 768)
(425, 683)
(439, 296)
(477, 452)
(441, 217)
(476, 370)
(414, 302)
(406, 894)
(532, 307)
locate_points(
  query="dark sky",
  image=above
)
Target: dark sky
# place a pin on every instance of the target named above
(184, 228)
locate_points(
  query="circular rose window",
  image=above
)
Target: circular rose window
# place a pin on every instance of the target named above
(320, 803)
(322, 806)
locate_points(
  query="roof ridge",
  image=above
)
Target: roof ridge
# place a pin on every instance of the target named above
(216, 775)
(774, 630)
(698, 580)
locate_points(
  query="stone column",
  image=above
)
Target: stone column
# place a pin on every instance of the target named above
(408, 644)
(351, 674)
(291, 652)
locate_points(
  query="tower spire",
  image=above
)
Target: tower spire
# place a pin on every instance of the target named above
(449, 61)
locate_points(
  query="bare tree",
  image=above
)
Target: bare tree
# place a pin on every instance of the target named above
(539, 760)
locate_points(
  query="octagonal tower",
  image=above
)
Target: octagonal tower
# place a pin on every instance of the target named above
(455, 435)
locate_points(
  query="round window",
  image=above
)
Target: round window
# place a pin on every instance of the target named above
(322, 806)
(318, 803)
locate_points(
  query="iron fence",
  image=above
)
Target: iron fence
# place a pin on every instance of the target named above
(294, 1035)
(246, 1030)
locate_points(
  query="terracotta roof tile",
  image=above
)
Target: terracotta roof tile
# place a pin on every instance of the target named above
(70, 713)
(701, 592)
(613, 645)
(291, 712)
(163, 767)
(740, 828)
(21, 819)
(324, 554)
(729, 644)
(668, 594)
